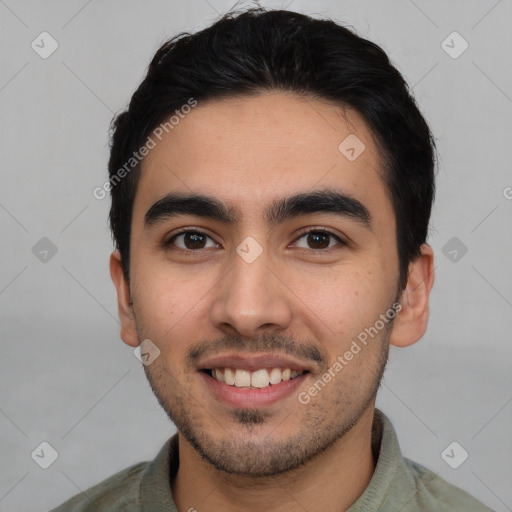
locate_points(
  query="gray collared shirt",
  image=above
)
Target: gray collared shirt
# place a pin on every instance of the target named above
(397, 485)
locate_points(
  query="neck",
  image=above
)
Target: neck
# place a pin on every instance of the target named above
(331, 482)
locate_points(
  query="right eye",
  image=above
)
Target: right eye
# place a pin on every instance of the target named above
(190, 240)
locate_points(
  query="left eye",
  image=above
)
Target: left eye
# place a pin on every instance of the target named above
(319, 239)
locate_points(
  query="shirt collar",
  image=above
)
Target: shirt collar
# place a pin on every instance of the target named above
(391, 476)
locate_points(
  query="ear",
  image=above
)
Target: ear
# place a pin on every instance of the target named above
(124, 305)
(411, 322)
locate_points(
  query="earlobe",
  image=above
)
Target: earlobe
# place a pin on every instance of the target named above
(124, 301)
(411, 323)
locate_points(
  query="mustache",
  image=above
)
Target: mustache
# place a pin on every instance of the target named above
(270, 343)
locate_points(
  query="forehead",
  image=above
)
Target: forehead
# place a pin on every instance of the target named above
(248, 151)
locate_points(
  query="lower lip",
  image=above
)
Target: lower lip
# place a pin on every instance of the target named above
(252, 398)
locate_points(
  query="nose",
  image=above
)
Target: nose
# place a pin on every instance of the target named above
(250, 299)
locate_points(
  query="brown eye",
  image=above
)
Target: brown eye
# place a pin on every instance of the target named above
(317, 239)
(191, 240)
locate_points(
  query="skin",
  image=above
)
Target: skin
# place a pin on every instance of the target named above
(246, 152)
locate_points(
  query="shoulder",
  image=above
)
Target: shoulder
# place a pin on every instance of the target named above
(435, 494)
(118, 492)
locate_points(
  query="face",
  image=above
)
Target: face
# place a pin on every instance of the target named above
(287, 259)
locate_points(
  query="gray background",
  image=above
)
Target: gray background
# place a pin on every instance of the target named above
(67, 378)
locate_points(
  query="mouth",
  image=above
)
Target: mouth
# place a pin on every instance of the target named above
(253, 381)
(257, 379)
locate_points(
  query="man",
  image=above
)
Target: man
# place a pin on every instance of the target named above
(272, 182)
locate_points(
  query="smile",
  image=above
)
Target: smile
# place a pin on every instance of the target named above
(259, 378)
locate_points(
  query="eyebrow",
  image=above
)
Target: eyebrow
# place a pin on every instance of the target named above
(279, 211)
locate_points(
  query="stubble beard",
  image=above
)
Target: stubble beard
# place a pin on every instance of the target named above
(322, 424)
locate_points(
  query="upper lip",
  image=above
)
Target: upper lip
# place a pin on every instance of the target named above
(253, 362)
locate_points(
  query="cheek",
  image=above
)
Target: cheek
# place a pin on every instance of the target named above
(342, 298)
(161, 302)
(339, 308)
(172, 306)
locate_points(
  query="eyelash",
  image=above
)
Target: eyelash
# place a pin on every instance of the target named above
(302, 233)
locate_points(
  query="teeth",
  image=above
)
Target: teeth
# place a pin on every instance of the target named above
(229, 376)
(257, 379)
(260, 379)
(275, 376)
(242, 378)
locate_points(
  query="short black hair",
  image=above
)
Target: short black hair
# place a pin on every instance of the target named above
(259, 50)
